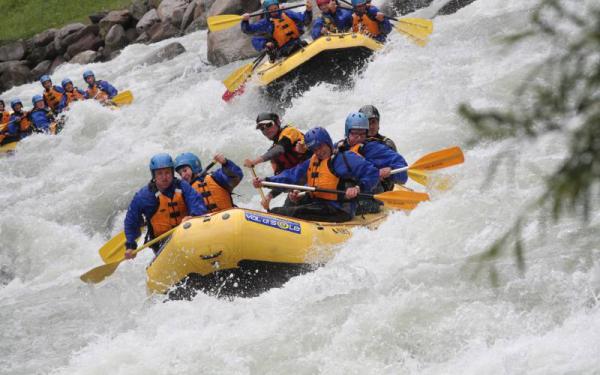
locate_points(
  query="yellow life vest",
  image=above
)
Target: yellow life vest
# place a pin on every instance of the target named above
(169, 214)
(284, 30)
(216, 197)
(365, 24)
(94, 92)
(74, 96)
(52, 98)
(319, 174)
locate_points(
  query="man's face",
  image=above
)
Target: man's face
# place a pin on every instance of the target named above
(373, 127)
(323, 151)
(356, 136)
(40, 104)
(90, 80)
(361, 9)
(269, 129)
(69, 87)
(163, 178)
(17, 108)
(186, 173)
(47, 84)
(273, 11)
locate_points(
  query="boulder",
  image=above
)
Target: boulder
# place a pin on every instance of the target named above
(120, 17)
(233, 7)
(50, 51)
(58, 61)
(97, 17)
(154, 3)
(63, 33)
(12, 51)
(13, 73)
(453, 6)
(41, 69)
(131, 34)
(172, 11)
(85, 57)
(143, 38)
(166, 53)
(73, 38)
(115, 38)
(229, 45)
(161, 31)
(149, 19)
(188, 15)
(197, 24)
(37, 54)
(88, 42)
(44, 38)
(138, 8)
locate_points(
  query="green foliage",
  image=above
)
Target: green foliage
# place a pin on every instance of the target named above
(25, 18)
(561, 95)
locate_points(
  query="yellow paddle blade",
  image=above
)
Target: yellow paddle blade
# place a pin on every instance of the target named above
(401, 200)
(223, 21)
(419, 176)
(123, 98)
(237, 78)
(420, 26)
(114, 249)
(96, 275)
(440, 159)
(432, 181)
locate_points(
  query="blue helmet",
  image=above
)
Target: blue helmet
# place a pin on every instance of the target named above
(316, 137)
(65, 82)
(37, 98)
(14, 102)
(189, 159)
(356, 120)
(358, 2)
(160, 161)
(267, 3)
(45, 78)
(88, 73)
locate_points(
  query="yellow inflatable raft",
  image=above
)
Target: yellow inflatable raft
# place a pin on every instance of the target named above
(244, 252)
(8, 148)
(332, 59)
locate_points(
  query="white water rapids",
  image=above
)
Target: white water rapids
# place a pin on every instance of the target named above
(398, 300)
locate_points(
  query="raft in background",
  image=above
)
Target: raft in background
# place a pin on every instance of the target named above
(333, 58)
(242, 252)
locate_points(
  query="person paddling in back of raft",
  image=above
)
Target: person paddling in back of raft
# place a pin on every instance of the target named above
(100, 90)
(42, 117)
(279, 30)
(343, 171)
(373, 135)
(333, 19)
(4, 118)
(19, 125)
(216, 187)
(287, 150)
(54, 96)
(165, 202)
(367, 19)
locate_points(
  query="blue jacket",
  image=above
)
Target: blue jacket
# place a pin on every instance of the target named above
(145, 204)
(342, 19)
(265, 27)
(228, 176)
(385, 26)
(381, 156)
(347, 166)
(106, 87)
(41, 119)
(14, 125)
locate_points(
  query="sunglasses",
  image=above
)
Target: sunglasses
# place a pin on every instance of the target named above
(263, 127)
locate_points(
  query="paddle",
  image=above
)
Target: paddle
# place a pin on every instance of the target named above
(226, 21)
(434, 160)
(96, 275)
(123, 98)
(114, 249)
(399, 200)
(235, 81)
(416, 29)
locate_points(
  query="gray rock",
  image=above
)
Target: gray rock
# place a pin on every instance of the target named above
(143, 38)
(50, 51)
(88, 42)
(131, 34)
(154, 3)
(188, 15)
(453, 6)
(120, 17)
(229, 45)
(12, 51)
(233, 7)
(149, 19)
(58, 61)
(115, 38)
(97, 17)
(45, 37)
(73, 38)
(161, 31)
(41, 69)
(197, 24)
(202, 8)
(166, 53)
(172, 11)
(68, 29)
(114, 54)
(14, 73)
(138, 8)
(85, 57)
(71, 32)
(37, 54)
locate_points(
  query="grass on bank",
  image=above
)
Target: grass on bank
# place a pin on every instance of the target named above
(22, 19)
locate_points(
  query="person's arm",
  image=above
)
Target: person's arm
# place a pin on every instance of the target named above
(316, 29)
(362, 170)
(292, 175)
(384, 157)
(133, 221)
(229, 175)
(261, 26)
(109, 89)
(193, 200)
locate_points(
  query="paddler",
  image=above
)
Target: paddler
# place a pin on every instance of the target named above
(53, 95)
(41, 116)
(4, 118)
(373, 135)
(333, 19)
(72, 93)
(19, 124)
(367, 19)
(98, 89)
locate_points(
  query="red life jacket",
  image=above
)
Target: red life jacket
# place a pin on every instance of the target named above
(288, 159)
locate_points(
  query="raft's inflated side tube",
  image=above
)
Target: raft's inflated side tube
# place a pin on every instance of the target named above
(234, 238)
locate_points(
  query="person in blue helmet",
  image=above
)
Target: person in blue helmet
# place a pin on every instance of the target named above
(333, 19)
(380, 155)
(98, 89)
(164, 203)
(367, 19)
(216, 187)
(279, 31)
(54, 96)
(19, 124)
(72, 93)
(344, 171)
(41, 116)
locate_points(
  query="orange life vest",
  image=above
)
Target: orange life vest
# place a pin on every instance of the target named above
(288, 159)
(365, 24)
(74, 96)
(95, 93)
(320, 174)
(169, 214)
(284, 30)
(52, 97)
(25, 123)
(5, 116)
(216, 197)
